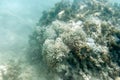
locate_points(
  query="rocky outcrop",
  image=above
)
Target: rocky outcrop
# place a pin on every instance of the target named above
(79, 42)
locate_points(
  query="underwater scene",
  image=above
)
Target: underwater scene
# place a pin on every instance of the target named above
(59, 39)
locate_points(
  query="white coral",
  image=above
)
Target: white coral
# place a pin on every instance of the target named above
(54, 50)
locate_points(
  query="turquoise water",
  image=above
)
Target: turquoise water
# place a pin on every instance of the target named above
(17, 19)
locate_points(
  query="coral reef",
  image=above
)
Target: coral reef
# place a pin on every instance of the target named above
(18, 70)
(10, 71)
(78, 41)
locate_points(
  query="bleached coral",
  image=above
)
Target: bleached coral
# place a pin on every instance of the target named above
(54, 51)
(82, 46)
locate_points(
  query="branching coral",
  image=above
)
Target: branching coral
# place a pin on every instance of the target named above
(79, 44)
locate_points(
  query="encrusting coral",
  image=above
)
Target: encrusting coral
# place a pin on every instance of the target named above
(79, 41)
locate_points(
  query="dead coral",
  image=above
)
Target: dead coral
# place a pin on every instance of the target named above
(83, 43)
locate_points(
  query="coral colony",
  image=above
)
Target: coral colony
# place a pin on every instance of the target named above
(79, 40)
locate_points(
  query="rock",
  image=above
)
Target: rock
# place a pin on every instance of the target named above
(117, 78)
(81, 42)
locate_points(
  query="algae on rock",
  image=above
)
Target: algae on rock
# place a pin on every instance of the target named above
(78, 42)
